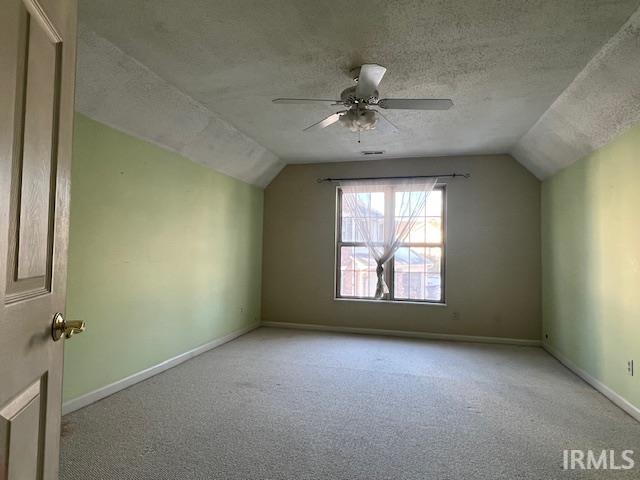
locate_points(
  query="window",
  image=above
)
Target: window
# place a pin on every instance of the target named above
(416, 272)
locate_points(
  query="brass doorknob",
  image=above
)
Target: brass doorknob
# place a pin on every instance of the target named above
(61, 328)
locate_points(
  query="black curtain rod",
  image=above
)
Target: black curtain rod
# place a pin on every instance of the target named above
(447, 175)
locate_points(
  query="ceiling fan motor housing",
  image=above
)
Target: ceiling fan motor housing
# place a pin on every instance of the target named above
(349, 97)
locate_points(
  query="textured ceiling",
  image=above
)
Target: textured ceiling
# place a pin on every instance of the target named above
(116, 89)
(503, 63)
(602, 102)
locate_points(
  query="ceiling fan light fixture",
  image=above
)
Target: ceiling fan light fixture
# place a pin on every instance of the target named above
(358, 120)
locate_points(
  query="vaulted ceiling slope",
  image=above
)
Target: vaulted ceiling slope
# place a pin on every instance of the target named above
(116, 89)
(602, 102)
(198, 76)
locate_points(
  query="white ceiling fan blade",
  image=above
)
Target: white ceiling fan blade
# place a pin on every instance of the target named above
(305, 100)
(416, 103)
(369, 78)
(384, 125)
(330, 120)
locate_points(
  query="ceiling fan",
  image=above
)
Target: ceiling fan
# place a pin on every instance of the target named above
(360, 99)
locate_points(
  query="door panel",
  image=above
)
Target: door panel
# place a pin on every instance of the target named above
(35, 139)
(38, 149)
(37, 71)
(21, 437)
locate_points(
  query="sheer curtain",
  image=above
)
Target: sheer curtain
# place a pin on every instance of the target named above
(383, 232)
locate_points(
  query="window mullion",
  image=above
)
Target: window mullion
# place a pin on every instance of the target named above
(389, 273)
(389, 219)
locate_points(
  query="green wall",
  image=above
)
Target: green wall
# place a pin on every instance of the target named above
(164, 256)
(591, 263)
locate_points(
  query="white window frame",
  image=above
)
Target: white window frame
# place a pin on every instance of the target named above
(389, 267)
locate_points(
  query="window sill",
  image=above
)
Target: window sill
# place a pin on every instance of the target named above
(393, 302)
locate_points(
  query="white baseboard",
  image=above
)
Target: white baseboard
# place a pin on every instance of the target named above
(402, 333)
(620, 401)
(100, 393)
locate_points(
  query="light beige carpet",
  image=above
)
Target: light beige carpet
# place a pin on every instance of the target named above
(286, 404)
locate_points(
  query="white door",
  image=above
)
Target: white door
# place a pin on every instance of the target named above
(37, 69)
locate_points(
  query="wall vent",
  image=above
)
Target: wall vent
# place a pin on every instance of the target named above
(372, 152)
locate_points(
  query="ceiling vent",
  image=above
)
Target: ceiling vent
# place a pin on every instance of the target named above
(372, 152)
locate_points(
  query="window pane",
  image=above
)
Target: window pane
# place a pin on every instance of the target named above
(365, 267)
(433, 287)
(357, 272)
(434, 204)
(373, 283)
(401, 285)
(401, 259)
(433, 229)
(362, 258)
(417, 233)
(428, 226)
(408, 202)
(346, 283)
(417, 273)
(364, 204)
(346, 201)
(416, 286)
(375, 226)
(401, 273)
(347, 229)
(368, 216)
(417, 260)
(362, 284)
(400, 221)
(378, 233)
(399, 202)
(418, 203)
(346, 258)
(433, 259)
(347, 273)
(377, 204)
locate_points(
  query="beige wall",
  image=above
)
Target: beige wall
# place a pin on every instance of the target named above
(493, 251)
